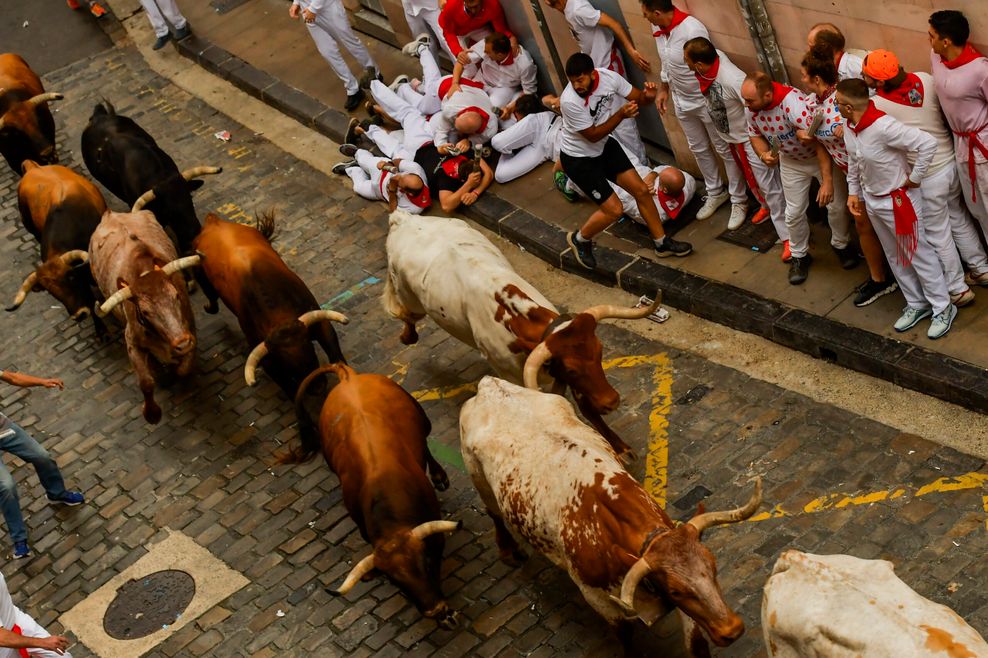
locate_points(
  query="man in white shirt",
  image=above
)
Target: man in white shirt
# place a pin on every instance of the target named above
(880, 177)
(401, 185)
(829, 35)
(678, 84)
(673, 190)
(329, 27)
(912, 99)
(21, 635)
(595, 31)
(592, 159)
(466, 112)
(506, 75)
(775, 113)
(532, 140)
(720, 83)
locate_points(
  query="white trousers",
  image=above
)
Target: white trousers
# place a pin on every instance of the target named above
(921, 281)
(470, 38)
(160, 10)
(427, 22)
(704, 140)
(979, 206)
(769, 181)
(366, 176)
(332, 28)
(628, 136)
(502, 96)
(426, 100)
(414, 125)
(525, 146)
(941, 198)
(796, 178)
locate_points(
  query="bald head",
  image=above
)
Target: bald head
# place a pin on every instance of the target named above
(756, 91)
(671, 181)
(826, 34)
(469, 123)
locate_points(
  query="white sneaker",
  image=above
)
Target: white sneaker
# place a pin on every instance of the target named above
(739, 211)
(400, 80)
(711, 204)
(910, 316)
(412, 47)
(941, 322)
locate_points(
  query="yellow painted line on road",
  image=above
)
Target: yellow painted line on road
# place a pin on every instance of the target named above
(657, 460)
(831, 501)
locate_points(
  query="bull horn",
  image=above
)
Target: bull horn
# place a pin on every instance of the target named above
(321, 314)
(181, 264)
(80, 255)
(35, 101)
(196, 172)
(142, 201)
(604, 311)
(534, 363)
(638, 570)
(433, 527)
(123, 294)
(361, 569)
(708, 519)
(258, 353)
(29, 283)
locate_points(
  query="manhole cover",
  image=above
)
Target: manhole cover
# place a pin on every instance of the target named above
(147, 604)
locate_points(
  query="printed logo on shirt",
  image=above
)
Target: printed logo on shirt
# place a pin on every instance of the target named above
(602, 102)
(717, 108)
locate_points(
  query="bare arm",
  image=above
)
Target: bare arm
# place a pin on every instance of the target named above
(12, 640)
(622, 35)
(763, 150)
(25, 381)
(826, 193)
(451, 200)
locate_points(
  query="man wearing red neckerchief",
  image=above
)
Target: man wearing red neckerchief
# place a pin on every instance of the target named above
(880, 177)
(505, 74)
(678, 86)
(465, 22)
(912, 99)
(960, 75)
(595, 32)
(19, 632)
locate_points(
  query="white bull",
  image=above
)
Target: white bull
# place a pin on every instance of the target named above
(555, 482)
(442, 268)
(839, 606)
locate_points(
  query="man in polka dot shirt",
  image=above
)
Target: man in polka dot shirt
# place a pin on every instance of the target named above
(775, 113)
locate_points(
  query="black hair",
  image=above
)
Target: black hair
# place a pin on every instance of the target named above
(951, 24)
(819, 61)
(699, 49)
(853, 88)
(499, 43)
(579, 64)
(528, 104)
(658, 5)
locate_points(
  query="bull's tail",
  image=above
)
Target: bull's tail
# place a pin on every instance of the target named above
(265, 224)
(389, 298)
(309, 444)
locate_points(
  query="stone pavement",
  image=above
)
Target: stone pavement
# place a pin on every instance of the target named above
(257, 47)
(835, 482)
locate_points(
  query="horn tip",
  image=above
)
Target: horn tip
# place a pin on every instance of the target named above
(459, 524)
(12, 307)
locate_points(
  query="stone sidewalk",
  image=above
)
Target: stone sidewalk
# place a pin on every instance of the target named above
(258, 48)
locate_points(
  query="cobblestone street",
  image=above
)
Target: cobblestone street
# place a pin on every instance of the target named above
(834, 482)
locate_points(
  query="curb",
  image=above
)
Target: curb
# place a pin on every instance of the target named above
(909, 366)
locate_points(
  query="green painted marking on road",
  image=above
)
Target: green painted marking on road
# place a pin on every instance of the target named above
(447, 455)
(349, 293)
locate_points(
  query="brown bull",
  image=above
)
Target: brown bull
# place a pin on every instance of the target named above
(373, 436)
(27, 129)
(136, 267)
(61, 209)
(277, 313)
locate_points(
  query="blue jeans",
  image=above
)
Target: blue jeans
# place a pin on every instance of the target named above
(21, 444)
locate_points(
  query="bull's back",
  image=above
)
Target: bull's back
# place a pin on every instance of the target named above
(120, 240)
(16, 75)
(537, 457)
(43, 189)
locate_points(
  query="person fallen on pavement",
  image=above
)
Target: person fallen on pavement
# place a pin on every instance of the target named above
(506, 75)
(401, 185)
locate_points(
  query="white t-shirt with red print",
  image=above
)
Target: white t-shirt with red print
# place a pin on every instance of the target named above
(788, 112)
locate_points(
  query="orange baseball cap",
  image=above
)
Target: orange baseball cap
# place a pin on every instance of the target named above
(881, 65)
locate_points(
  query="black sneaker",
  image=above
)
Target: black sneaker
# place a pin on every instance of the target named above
(184, 33)
(848, 257)
(353, 100)
(673, 248)
(799, 269)
(870, 290)
(349, 150)
(369, 75)
(340, 168)
(351, 131)
(160, 42)
(582, 251)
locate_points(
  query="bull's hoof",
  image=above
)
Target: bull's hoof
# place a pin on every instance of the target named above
(409, 336)
(211, 307)
(152, 413)
(440, 480)
(515, 558)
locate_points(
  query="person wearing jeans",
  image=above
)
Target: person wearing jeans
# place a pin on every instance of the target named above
(16, 441)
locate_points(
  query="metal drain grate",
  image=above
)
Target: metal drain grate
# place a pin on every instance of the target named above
(148, 604)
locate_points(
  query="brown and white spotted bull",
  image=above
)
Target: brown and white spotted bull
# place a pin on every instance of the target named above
(373, 436)
(61, 209)
(137, 269)
(557, 484)
(440, 267)
(27, 129)
(277, 313)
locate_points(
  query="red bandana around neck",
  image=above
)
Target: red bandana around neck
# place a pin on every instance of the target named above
(507, 61)
(447, 82)
(671, 204)
(909, 93)
(593, 88)
(870, 116)
(779, 93)
(484, 116)
(708, 78)
(968, 55)
(422, 199)
(677, 18)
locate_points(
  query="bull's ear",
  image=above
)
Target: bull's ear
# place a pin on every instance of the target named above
(194, 184)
